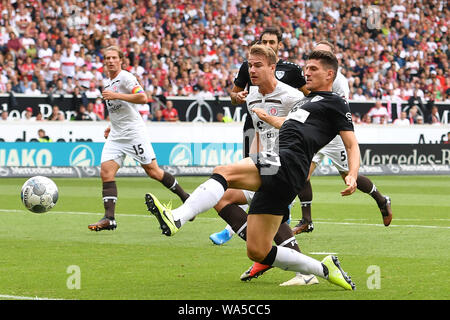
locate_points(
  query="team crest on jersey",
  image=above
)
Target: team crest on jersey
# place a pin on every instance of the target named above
(316, 98)
(279, 74)
(273, 111)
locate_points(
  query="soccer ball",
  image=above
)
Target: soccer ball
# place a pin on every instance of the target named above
(39, 194)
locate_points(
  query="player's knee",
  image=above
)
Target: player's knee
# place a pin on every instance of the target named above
(106, 175)
(255, 253)
(229, 197)
(220, 170)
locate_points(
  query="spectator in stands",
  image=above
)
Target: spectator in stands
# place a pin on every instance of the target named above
(33, 89)
(82, 114)
(144, 111)
(434, 116)
(158, 116)
(356, 118)
(93, 92)
(378, 113)
(99, 108)
(43, 137)
(91, 113)
(59, 88)
(29, 114)
(366, 119)
(402, 120)
(412, 115)
(359, 95)
(419, 120)
(39, 116)
(170, 113)
(56, 114)
(5, 115)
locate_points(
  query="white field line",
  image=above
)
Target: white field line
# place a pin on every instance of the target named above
(7, 296)
(319, 221)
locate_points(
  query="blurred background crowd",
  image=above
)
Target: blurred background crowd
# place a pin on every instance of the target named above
(393, 51)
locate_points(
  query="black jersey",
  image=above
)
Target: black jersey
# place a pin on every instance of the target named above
(311, 124)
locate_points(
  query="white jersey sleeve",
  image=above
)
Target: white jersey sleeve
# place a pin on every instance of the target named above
(340, 86)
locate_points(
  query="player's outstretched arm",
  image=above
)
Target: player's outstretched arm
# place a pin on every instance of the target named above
(352, 148)
(274, 121)
(138, 98)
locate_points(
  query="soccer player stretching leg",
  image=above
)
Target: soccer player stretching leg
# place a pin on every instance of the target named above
(277, 178)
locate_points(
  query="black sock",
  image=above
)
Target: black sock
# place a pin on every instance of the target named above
(306, 195)
(367, 186)
(171, 183)
(236, 217)
(109, 194)
(270, 258)
(285, 237)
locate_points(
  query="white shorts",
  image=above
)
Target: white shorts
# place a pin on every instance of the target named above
(138, 149)
(335, 151)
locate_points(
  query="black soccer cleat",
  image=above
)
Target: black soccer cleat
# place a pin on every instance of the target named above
(103, 224)
(386, 211)
(303, 226)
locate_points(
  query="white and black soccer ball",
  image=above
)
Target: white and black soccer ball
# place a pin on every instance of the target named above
(39, 194)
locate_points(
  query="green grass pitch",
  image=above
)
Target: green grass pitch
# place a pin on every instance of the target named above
(54, 255)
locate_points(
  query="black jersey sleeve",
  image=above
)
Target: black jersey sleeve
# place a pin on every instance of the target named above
(342, 114)
(243, 77)
(299, 78)
(293, 74)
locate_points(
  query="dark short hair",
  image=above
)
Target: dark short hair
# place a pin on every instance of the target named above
(272, 30)
(326, 58)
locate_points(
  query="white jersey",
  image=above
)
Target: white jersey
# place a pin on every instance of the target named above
(126, 122)
(277, 103)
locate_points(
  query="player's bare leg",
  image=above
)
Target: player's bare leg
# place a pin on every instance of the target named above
(155, 172)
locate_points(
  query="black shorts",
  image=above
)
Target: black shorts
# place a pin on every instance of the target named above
(277, 190)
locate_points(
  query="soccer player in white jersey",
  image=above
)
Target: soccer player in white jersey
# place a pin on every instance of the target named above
(127, 135)
(335, 151)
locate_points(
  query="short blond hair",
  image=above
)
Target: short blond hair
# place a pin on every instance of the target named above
(117, 49)
(267, 52)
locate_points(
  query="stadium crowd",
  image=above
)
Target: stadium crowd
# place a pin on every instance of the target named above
(394, 51)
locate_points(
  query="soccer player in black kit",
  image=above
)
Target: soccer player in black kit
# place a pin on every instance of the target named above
(286, 72)
(277, 178)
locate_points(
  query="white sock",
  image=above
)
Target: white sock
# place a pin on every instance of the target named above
(291, 260)
(202, 199)
(230, 230)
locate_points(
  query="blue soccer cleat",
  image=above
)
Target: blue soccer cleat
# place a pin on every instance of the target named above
(221, 237)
